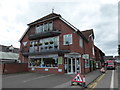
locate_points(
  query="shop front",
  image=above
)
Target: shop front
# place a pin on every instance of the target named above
(46, 63)
(53, 63)
(72, 63)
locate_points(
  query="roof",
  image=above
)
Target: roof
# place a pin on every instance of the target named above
(88, 33)
(99, 50)
(4, 48)
(51, 15)
(9, 55)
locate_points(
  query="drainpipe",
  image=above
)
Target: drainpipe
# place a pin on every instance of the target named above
(84, 53)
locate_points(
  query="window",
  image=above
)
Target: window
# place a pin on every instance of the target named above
(81, 42)
(45, 27)
(31, 49)
(39, 28)
(87, 63)
(50, 26)
(93, 51)
(49, 43)
(67, 39)
(44, 62)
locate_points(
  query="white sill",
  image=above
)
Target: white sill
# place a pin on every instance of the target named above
(41, 67)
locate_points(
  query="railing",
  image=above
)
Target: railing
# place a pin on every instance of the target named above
(44, 34)
(48, 48)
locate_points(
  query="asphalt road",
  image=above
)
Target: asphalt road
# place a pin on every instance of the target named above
(34, 80)
(108, 80)
(38, 80)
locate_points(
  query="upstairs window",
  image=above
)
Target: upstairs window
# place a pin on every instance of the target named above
(45, 27)
(49, 26)
(39, 28)
(81, 42)
(93, 50)
(67, 39)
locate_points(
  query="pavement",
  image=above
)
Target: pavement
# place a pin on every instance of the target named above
(38, 80)
(89, 78)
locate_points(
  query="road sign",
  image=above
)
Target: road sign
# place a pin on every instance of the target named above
(78, 78)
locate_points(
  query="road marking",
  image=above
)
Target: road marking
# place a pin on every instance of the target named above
(112, 80)
(94, 84)
(37, 78)
(24, 74)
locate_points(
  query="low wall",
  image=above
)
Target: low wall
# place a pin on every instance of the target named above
(8, 68)
(1, 68)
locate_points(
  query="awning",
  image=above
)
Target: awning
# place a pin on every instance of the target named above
(9, 55)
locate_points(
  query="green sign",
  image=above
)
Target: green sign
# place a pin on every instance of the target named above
(59, 60)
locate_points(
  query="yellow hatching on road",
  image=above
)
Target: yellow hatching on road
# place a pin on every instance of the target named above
(94, 84)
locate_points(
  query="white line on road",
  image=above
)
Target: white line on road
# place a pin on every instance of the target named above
(18, 75)
(112, 80)
(37, 78)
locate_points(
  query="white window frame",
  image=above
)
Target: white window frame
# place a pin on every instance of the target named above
(65, 40)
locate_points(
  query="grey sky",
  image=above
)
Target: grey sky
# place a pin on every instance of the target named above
(100, 15)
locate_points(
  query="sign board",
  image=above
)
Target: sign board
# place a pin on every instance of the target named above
(78, 78)
(32, 68)
(46, 69)
(59, 70)
(75, 55)
(59, 60)
(45, 56)
(85, 56)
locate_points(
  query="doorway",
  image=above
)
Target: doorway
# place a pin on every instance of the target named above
(72, 65)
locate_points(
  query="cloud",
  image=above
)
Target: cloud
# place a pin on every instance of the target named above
(101, 15)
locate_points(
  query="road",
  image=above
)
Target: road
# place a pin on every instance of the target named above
(34, 80)
(108, 80)
(39, 80)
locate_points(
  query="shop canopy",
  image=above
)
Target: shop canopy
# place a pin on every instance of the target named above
(8, 55)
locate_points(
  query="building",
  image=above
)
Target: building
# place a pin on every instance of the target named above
(53, 45)
(99, 57)
(108, 58)
(8, 54)
(89, 50)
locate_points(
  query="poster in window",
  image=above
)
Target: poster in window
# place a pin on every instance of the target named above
(59, 60)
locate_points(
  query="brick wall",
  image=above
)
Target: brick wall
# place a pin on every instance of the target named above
(13, 68)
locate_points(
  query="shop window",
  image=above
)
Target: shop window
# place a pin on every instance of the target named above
(44, 62)
(87, 63)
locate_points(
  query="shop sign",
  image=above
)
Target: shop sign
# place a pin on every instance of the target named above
(59, 60)
(59, 70)
(46, 69)
(85, 56)
(45, 56)
(32, 68)
(74, 55)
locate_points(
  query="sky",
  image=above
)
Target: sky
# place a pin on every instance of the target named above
(99, 15)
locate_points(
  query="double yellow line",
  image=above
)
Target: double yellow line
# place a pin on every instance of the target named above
(94, 83)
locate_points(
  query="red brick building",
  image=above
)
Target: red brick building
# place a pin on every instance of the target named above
(52, 45)
(99, 57)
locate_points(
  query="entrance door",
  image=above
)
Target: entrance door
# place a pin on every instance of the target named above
(73, 65)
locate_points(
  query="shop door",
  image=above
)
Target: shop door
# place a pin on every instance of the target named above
(73, 65)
